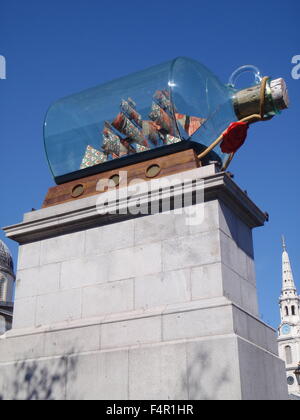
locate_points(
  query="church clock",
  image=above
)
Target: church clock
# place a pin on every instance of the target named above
(286, 329)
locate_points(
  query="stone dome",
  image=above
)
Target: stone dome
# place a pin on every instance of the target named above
(6, 261)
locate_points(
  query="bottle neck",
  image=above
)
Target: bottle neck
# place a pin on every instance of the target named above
(246, 102)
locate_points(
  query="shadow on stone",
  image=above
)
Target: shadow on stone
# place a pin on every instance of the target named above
(39, 380)
(206, 382)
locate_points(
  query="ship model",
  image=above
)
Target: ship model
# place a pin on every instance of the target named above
(128, 133)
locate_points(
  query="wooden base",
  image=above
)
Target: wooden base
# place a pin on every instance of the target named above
(154, 168)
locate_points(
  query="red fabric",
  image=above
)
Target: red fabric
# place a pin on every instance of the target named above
(234, 137)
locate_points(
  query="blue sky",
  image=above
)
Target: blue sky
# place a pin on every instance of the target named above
(57, 48)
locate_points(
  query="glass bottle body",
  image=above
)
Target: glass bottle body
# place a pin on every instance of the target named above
(175, 103)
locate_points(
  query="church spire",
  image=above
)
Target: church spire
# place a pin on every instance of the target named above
(283, 243)
(289, 299)
(287, 273)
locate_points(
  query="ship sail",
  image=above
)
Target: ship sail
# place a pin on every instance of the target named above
(128, 133)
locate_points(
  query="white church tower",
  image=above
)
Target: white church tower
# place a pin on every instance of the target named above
(7, 281)
(289, 329)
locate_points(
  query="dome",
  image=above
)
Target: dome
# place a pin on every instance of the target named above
(6, 261)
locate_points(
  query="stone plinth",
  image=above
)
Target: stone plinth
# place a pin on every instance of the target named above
(141, 307)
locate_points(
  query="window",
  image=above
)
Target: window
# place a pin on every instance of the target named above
(293, 310)
(287, 311)
(1, 290)
(288, 355)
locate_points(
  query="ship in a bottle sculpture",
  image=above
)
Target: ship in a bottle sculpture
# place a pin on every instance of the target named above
(168, 108)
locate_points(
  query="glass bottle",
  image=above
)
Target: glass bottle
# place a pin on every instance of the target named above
(166, 108)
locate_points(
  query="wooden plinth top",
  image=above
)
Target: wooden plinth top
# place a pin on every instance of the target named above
(150, 169)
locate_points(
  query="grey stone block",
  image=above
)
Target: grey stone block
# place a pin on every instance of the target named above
(114, 375)
(99, 376)
(85, 382)
(213, 369)
(62, 248)
(24, 313)
(131, 333)
(239, 291)
(37, 281)
(253, 330)
(236, 229)
(227, 221)
(162, 289)
(180, 222)
(109, 238)
(154, 228)
(6, 386)
(29, 255)
(34, 380)
(249, 297)
(194, 219)
(232, 285)
(240, 322)
(27, 283)
(198, 323)
(147, 259)
(244, 238)
(121, 264)
(158, 373)
(58, 307)
(275, 371)
(261, 374)
(107, 298)
(49, 279)
(206, 281)
(2, 325)
(272, 345)
(249, 328)
(139, 261)
(23, 347)
(233, 256)
(207, 218)
(190, 251)
(251, 274)
(257, 332)
(84, 271)
(72, 341)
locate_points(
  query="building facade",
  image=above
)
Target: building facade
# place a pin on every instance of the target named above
(7, 280)
(289, 329)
